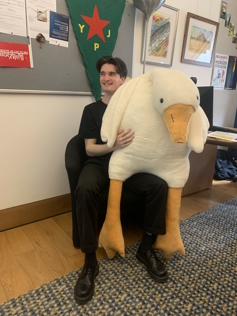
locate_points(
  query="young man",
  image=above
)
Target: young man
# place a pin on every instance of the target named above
(94, 177)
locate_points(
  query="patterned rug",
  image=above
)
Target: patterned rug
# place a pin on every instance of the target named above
(203, 282)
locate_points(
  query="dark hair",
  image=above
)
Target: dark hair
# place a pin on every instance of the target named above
(119, 64)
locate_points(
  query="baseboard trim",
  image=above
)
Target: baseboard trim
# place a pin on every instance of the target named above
(32, 212)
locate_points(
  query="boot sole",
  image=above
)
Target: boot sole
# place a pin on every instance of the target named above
(161, 279)
(84, 300)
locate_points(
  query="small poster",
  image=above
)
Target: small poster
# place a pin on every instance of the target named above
(227, 20)
(58, 29)
(231, 77)
(220, 70)
(223, 10)
(14, 55)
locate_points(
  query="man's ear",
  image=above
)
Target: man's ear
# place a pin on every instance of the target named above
(123, 79)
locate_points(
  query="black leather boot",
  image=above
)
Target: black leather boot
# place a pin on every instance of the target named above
(155, 268)
(84, 287)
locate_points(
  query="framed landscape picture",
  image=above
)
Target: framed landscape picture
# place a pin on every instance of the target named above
(199, 40)
(161, 33)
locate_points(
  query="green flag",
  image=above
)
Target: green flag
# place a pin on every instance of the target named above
(96, 24)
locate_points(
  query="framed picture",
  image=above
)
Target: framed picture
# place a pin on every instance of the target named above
(161, 34)
(199, 42)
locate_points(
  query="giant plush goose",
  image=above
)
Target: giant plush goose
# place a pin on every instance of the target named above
(162, 108)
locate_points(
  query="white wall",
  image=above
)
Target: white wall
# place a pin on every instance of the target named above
(225, 101)
(34, 129)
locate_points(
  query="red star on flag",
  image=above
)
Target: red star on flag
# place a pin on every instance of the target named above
(96, 24)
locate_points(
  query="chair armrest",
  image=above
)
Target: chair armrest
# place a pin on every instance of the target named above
(75, 157)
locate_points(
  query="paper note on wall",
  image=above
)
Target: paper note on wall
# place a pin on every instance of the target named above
(38, 16)
(13, 17)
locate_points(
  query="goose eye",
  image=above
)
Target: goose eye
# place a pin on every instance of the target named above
(197, 98)
(161, 100)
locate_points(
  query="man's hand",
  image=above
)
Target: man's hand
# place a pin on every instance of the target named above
(123, 139)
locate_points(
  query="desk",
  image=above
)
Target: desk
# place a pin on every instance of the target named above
(202, 166)
(220, 142)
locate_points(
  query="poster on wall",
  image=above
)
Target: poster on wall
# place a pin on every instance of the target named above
(227, 20)
(223, 9)
(58, 29)
(231, 77)
(219, 72)
(15, 55)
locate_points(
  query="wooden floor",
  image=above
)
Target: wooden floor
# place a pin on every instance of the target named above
(37, 253)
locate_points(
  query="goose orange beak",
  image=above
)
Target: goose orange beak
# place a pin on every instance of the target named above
(177, 118)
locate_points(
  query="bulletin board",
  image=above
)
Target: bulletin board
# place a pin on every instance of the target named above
(60, 70)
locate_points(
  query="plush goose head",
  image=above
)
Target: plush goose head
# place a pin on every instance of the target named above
(176, 97)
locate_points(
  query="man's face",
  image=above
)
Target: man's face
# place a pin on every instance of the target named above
(109, 79)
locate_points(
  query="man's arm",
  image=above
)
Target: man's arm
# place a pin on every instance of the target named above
(124, 139)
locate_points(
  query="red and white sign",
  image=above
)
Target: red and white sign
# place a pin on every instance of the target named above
(14, 55)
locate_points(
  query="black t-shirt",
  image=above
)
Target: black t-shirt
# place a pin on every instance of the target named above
(90, 126)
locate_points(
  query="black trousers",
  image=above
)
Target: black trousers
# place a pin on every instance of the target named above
(94, 178)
